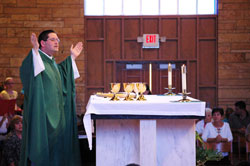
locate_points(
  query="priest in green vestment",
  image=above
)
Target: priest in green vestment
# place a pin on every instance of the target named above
(50, 136)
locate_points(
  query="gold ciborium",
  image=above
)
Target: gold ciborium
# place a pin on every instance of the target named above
(141, 88)
(115, 88)
(128, 88)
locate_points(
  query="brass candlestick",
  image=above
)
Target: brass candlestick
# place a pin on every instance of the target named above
(170, 91)
(184, 96)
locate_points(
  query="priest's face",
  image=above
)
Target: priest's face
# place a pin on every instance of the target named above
(51, 45)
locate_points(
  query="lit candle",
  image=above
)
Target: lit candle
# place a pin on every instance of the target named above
(183, 76)
(169, 75)
(150, 77)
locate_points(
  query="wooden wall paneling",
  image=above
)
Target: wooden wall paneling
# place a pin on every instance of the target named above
(145, 73)
(160, 35)
(163, 80)
(95, 67)
(169, 50)
(177, 77)
(197, 60)
(132, 49)
(141, 34)
(188, 38)
(169, 28)
(149, 53)
(179, 38)
(120, 74)
(133, 76)
(192, 78)
(150, 26)
(94, 29)
(131, 28)
(209, 95)
(207, 63)
(113, 38)
(207, 27)
(122, 38)
(108, 75)
(155, 78)
(131, 32)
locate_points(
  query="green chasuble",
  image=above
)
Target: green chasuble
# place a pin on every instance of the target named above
(50, 135)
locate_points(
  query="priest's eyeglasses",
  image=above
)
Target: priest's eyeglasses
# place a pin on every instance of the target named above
(54, 39)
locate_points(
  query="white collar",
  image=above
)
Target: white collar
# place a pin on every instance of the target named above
(50, 57)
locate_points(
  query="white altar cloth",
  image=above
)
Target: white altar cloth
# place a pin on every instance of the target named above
(154, 105)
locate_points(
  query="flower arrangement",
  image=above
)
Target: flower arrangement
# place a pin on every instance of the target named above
(203, 154)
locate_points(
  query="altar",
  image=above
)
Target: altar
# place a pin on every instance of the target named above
(157, 132)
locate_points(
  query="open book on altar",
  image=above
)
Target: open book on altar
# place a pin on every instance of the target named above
(7, 106)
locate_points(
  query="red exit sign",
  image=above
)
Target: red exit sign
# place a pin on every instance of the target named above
(150, 38)
(151, 41)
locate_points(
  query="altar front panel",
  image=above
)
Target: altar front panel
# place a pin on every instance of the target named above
(124, 141)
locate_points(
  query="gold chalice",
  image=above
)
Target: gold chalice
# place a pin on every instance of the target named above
(141, 88)
(115, 88)
(136, 90)
(128, 88)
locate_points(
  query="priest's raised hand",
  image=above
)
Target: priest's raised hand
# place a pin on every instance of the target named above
(75, 51)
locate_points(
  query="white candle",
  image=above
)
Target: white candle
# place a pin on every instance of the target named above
(150, 77)
(183, 76)
(169, 75)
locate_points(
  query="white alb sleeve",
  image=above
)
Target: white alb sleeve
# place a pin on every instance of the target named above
(75, 70)
(37, 63)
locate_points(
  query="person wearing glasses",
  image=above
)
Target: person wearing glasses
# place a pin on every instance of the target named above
(49, 119)
(8, 93)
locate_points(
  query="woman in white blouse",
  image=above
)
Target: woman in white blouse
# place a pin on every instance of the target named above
(217, 130)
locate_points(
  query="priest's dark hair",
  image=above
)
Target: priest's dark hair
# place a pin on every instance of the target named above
(44, 36)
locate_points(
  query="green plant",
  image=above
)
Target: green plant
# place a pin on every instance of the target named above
(203, 154)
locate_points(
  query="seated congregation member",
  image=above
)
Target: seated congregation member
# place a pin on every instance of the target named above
(240, 118)
(228, 112)
(4, 123)
(218, 131)
(8, 93)
(202, 123)
(12, 144)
